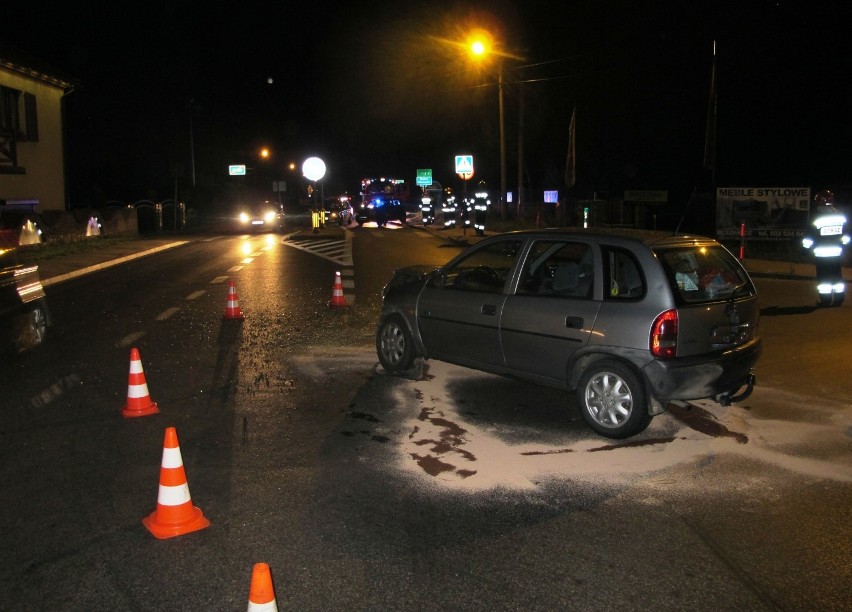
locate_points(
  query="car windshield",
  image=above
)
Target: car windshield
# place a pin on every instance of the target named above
(704, 273)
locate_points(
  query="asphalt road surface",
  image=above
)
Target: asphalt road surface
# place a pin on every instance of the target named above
(442, 489)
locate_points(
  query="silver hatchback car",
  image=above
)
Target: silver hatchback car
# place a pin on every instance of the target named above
(627, 319)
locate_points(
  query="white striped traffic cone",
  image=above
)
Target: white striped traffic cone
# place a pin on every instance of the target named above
(261, 592)
(337, 299)
(232, 309)
(175, 515)
(138, 401)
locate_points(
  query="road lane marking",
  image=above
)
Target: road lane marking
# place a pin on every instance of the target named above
(235, 269)
(196, 294)
(108, 264)
(337, 251)
(129, 339)
(247, 260)
(219, 279)
(166, 314)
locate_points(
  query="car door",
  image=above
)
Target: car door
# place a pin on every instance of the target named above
(458, 311)
(552, 312)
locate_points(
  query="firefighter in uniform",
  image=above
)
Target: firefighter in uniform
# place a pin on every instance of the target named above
(427, 210)
(827, 237)
(480, 208)
(467, 207)
(449, 209)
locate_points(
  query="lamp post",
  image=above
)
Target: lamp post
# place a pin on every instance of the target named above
(313, 169)
(480, 47)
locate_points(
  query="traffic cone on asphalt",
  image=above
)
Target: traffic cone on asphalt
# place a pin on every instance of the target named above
(337, 299)
(232, 309)
(138, 401)
(175, 515)
(261, 593)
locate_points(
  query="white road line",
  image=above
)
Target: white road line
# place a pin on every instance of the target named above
(219, 279)
(166, 314)
(129, 339)
(107, 264)
(247, 260)
(336, 251)
(196, 294)
(235, 269)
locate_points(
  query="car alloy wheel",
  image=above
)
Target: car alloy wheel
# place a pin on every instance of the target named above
(612, 400)
(394, 345)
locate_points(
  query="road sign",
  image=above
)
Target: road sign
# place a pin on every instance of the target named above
(424, 177)
(464, 164)
(237, 170)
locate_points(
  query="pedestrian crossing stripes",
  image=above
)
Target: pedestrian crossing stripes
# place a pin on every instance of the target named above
(335, 250)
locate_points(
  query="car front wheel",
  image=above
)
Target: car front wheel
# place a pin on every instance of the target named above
(612, 400)
(394, 345)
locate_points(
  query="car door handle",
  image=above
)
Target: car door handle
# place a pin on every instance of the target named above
(574, 322)
(488, 309)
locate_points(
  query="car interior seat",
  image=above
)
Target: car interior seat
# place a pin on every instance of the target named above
(566, 278)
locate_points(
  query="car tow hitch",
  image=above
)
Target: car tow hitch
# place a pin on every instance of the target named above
(725, 399)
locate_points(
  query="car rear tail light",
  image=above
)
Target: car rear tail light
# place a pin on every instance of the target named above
(664, 335)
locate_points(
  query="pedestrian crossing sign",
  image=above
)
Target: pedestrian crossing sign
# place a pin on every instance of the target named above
(464, 164)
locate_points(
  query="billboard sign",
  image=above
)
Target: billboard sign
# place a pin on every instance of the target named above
(769, 213)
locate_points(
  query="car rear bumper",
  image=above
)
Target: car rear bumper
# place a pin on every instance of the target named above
(698, 378)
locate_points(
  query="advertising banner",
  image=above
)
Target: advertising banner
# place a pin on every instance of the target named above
(769, 213)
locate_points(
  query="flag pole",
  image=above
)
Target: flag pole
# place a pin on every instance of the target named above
(710, 137)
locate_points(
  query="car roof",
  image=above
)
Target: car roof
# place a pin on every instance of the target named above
(624, 236)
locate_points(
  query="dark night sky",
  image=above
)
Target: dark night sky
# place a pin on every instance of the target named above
(372, 89)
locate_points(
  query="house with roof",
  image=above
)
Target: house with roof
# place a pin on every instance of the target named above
(32, 151)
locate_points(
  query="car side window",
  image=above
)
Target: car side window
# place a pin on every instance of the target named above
(558, 268)
(485, 269)
(624, 278)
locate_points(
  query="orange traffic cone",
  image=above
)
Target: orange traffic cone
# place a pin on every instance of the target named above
(337, 299)
(261, 593)
(175, 515)
(138, 401)
(232, 309)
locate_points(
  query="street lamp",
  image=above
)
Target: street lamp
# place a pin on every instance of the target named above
(313, 169)
(480, 46)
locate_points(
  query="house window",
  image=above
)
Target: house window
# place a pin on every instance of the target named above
(18, 114)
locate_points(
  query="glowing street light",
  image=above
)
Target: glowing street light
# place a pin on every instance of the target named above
(480, 47)
(313, 169)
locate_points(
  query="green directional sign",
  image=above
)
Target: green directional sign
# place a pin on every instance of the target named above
(424, 177)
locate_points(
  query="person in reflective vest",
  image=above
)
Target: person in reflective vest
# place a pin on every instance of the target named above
(827, 238)
(466, 208)
(480, 208)
(427, 210)
(449, 209)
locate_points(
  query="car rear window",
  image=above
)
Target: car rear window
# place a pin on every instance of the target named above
(704, 273)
